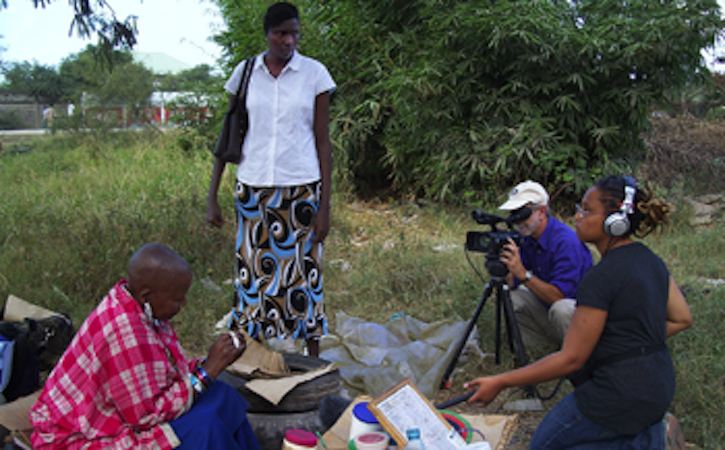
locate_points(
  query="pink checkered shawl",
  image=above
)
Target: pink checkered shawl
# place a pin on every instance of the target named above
(119, 383)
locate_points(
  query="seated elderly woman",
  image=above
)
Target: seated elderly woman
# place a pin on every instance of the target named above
(124, 381)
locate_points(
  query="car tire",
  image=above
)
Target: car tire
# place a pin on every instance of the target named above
(269, 429)
(302, 398)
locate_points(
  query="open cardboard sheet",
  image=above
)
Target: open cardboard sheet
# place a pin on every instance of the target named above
(17, 309)
(268, 373)
(14, 417)
(258, 362)
(275, 390)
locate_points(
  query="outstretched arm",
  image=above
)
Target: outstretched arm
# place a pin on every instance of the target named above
(583, 334)
(678, 313)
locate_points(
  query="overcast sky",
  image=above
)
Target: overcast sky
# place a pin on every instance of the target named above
(179, 28)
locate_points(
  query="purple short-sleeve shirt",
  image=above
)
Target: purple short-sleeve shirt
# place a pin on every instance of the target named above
(558, 257)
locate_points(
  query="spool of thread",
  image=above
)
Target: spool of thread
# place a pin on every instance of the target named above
(363, 421)
(371, 441)
(299, 440)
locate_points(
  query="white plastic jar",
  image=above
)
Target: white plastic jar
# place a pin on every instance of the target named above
(295, 439)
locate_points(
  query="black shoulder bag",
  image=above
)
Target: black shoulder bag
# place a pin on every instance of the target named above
(228, 146)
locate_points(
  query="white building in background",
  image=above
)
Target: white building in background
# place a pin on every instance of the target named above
(160, 63)
(161, 104)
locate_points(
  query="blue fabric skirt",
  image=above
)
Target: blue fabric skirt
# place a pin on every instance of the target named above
(218, 420)
(278, 281)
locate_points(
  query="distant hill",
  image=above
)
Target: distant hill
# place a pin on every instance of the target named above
(160, 63)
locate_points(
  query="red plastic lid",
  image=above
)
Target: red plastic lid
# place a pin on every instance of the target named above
(371, 438)
(300, 437)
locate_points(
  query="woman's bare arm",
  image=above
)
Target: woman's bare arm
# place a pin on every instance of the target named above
(324, 155)
(581, 338)
(678, 312)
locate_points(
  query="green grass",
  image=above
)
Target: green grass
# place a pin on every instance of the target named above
(76, 207)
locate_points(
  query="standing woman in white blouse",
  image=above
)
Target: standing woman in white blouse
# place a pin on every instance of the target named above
(282, 196)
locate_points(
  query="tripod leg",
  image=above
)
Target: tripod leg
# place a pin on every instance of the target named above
(445, 381)
(513, 327)
(501, 301)
(501, 310)
(514, 333)
(497, 336)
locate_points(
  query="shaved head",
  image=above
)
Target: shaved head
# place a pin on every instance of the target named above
(154, 260)
(156, 270)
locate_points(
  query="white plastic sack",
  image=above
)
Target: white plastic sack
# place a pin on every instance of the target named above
(374, 357)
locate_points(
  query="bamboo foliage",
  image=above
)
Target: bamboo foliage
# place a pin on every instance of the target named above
(445, 98)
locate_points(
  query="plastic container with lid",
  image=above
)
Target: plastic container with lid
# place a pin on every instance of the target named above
(299, 440)
(372, 441)
(363, 421)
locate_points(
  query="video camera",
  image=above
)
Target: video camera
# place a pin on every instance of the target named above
(491, 242)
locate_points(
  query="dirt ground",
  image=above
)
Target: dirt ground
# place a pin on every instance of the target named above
(527, 421)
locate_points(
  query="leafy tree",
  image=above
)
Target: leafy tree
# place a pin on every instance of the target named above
(112, 82)
(120, 82)
(698, 100)
(86, 72)
(99, 18)
(11, 121)
(201, 100)
(244, 35)
(130, 83)
(454, 97)
(41, 82)
(198, 78)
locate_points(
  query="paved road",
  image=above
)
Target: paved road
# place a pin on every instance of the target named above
(29, 132)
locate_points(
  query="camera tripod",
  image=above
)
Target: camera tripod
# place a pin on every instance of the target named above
(504, 309)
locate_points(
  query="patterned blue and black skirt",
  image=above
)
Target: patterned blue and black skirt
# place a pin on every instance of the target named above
(278, 280)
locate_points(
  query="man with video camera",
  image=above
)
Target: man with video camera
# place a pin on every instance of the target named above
(545, 270)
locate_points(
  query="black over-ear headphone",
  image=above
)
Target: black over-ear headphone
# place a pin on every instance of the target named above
(617, 223)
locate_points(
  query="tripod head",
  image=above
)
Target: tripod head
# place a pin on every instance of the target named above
(491, 242)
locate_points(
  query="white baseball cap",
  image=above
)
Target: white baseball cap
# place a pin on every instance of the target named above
(525, 193)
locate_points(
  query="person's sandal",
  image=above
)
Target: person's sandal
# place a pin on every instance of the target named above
(674, 439)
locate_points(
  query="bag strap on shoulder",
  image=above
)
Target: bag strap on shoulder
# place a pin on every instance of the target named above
(243, 83)
(246, 75)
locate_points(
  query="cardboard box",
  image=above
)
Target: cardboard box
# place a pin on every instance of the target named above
(14, 416)
(17, 309)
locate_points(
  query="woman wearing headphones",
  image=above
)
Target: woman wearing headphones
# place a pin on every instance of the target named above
(627, 305)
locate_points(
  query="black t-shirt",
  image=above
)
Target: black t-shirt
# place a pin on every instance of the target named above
(632, 284)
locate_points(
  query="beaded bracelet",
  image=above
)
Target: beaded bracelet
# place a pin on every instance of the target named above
(203, 376)
(198, 386)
